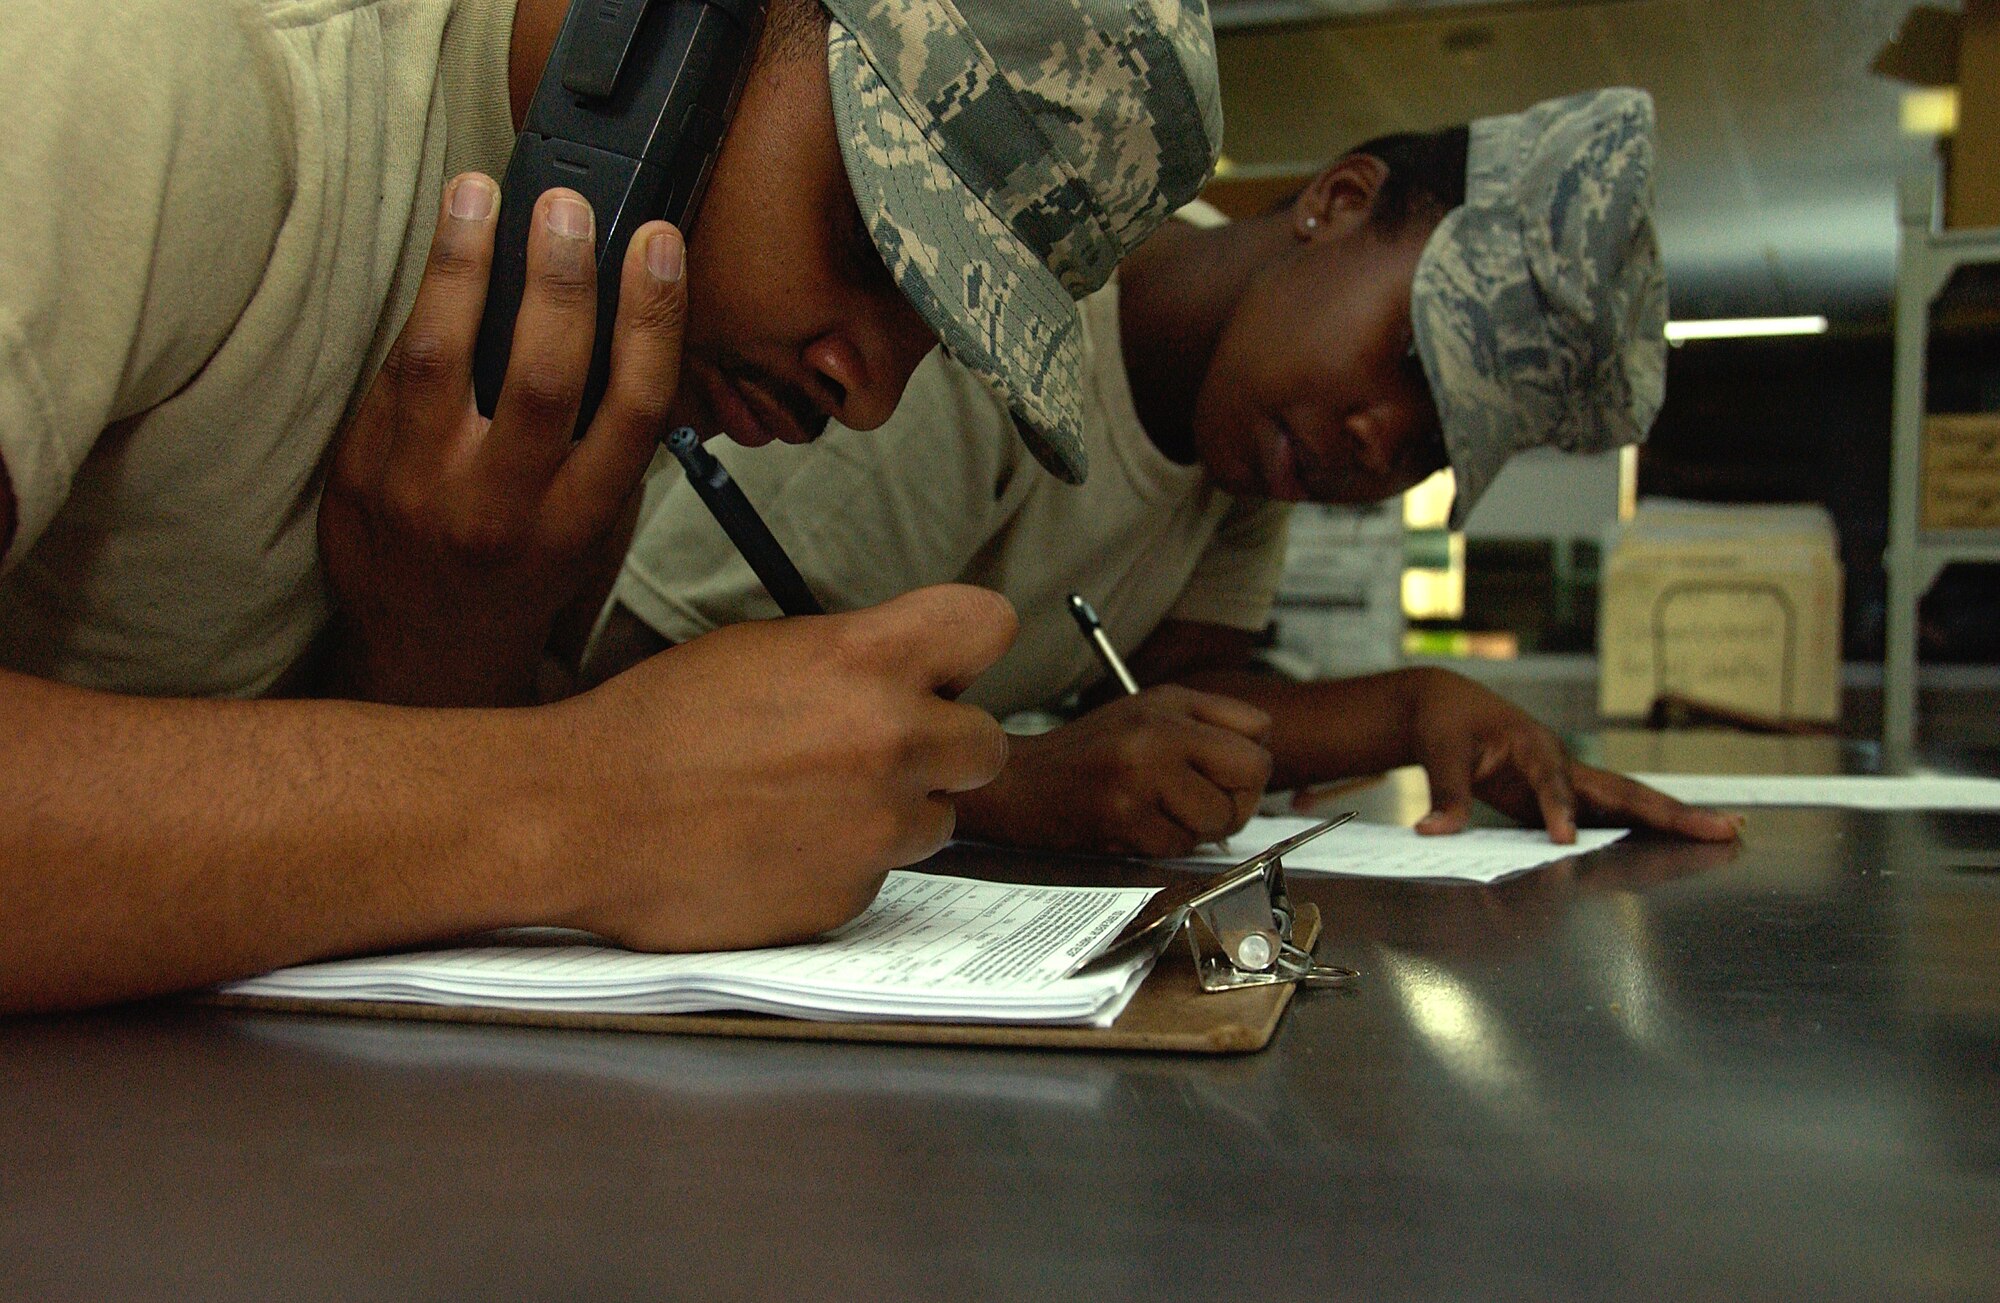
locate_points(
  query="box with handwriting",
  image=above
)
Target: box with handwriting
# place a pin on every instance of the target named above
(1733, 606)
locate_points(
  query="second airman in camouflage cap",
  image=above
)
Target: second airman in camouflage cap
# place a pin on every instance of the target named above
(1539, 305)
(1007, 154)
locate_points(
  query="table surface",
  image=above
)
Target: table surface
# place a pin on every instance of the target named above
(1659, 1071)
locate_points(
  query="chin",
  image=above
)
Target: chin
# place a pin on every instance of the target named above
(1236, 481)
(688, 409)
(1217, 460)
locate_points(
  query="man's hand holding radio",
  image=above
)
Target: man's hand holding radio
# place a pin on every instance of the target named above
(450, 541)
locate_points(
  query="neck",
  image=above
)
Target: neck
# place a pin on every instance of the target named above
(536, 23)
(1176, 293)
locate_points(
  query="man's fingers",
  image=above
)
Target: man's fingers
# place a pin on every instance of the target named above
(943, 636)
(1151, 833)
(1238, 717)
(1206, 811)
(1547, 772)
(935, 641)
(1449, 771)
(1615, 798)
(550, 359)
(967, 749)
(1235, 765)
(645, 375)
(428, 370)
(1446, 816)
(932, 823)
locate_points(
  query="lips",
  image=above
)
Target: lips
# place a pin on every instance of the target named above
(732, 411)
(1277, 465)
(748, 412)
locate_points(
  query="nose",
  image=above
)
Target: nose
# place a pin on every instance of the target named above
(1368, 430)
(866, 361)
(1385, 435)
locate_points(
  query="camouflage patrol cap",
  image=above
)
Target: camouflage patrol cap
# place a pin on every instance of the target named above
(1539, 305)
(1006, 154)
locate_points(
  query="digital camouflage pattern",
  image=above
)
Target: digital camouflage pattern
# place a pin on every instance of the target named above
(1540, 306)
(1006, 154)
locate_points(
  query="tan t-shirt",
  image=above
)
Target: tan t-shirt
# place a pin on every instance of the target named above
(946, 491)
(216, 213)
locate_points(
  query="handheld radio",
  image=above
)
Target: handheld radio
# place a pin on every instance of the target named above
(630, 114)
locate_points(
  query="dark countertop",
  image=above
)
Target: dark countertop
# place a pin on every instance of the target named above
(1662, 1071)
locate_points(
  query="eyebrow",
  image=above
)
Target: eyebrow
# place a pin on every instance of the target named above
(1412, 364)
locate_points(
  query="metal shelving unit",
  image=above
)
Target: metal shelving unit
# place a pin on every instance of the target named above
(1926, 260)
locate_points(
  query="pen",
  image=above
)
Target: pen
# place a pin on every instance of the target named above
(746, 529)
(1086, 620)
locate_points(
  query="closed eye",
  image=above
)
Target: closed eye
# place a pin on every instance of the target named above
(860, 259)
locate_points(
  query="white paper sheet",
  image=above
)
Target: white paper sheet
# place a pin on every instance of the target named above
(1373, 850)
(930, 947)
(1850, 791)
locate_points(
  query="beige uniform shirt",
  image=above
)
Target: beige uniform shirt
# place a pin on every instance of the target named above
(946, 491)
(217, 213)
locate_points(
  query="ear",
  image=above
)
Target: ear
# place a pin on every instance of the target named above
(1339, 199)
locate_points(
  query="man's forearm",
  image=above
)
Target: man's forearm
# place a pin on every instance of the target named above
(1326, 728)
(748, 789)
(149, 846)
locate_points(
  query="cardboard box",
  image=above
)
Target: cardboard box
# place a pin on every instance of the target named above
(1737, 607)
(1973, 191)
(1961, 479)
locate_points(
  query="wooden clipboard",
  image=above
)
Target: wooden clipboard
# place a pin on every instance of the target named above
(1169, 1013)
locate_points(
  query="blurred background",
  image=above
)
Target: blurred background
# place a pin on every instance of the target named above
(1786, 128)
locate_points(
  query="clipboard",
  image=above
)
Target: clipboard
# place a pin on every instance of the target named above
(1249, 949)
(1170, 1013)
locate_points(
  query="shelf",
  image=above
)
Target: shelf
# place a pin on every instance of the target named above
(1926, 259)
(1960, 544)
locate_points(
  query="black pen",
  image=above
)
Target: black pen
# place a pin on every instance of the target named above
(1086, 620)
(746, 529)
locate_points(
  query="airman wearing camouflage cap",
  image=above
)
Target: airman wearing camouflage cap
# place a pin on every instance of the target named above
(1427, 299)
(239, 458)
(1007, 154)
(1539, 305)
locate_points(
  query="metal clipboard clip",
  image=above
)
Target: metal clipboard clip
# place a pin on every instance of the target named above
(1239, 927)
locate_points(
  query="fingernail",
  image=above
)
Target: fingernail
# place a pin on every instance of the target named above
(663, 256)
(569, 217)
(472, 199)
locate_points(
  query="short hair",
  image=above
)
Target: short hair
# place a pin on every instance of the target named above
(1426, 175)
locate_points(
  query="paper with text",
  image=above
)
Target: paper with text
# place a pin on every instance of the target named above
(1373, 850)
(929, 947)
(1849, 791)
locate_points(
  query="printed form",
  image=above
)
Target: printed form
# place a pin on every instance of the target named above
(929, 947)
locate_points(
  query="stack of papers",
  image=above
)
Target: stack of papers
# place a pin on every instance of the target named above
(929, 948)
(1370, 850)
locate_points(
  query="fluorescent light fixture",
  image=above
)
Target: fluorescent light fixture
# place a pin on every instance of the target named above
(1679, 332)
